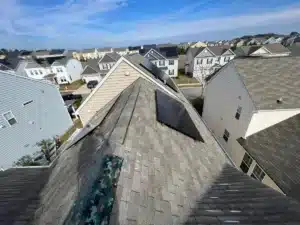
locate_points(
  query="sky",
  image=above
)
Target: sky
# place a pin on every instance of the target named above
(76, 24)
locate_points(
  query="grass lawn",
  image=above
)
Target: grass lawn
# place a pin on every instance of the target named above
(73, 86)
(184, 79)
(65, 137)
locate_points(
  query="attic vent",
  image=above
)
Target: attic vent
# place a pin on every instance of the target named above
(279, 101)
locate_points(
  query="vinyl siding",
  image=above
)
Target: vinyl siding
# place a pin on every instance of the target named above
(112, 86)
(74, 69)
(44, 118)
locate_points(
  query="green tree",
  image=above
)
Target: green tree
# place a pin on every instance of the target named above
(46, 146)
(26, 160)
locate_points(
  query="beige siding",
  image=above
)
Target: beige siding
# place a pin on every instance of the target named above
(115, 83)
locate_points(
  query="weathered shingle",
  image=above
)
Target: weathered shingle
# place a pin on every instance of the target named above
(270, 79)
(277, 150)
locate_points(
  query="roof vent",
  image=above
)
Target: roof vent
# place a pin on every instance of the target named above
(279, 101)
(127, 73)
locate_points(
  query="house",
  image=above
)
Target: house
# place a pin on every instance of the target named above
(184, 45)
(133, 49)
(31, 110)
(293, 40)
(24, 54)
(121, 51)
(256, 41)
(201, 62)
(267, 50)
(274, 40)
(90, 53)
(91, 71)
(67, 70)
(107, 62)
(165, 58)
(103, 51)
(132, 164)
(61, 70)
(198, 44)
(248, 96)
(211, 43)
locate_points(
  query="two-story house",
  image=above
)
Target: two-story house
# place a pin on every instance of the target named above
(248, 96)
(63, 70)
(30, 110)
(103, 51)
(121, 50)
(201, 62)
(165, 58)
(90, 53)
(268, 50)
(91, 71)
(107, 62)
(133, 49)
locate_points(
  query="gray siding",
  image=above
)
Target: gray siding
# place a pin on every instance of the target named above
(45, 117)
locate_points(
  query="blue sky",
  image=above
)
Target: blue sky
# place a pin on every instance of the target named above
(96, 23)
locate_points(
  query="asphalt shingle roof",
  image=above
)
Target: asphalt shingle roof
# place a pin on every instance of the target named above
(110, 57)
(276, 48)
(269, 79)
(89, 70)
(277, 150)
(295, 50)
(218, 50)
(166, 177)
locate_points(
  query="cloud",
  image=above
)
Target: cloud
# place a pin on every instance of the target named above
(84, 23)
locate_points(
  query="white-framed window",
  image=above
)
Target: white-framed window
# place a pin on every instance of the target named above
(10, 118)
(199, 61)
(40, 72)
(238, 112)
(171, 62)
(63, 79)
(36, 72)
(171, 72)
(161, 62)
(227, 59)
(57, 70)
(209, 60)
(246, 163)
(226, 135)
(257, 173)
(31, 72)
(104, 66)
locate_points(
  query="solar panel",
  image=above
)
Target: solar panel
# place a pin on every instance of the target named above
(173, 114)
(159, 74)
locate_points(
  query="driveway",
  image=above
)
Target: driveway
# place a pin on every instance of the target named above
(83, 90)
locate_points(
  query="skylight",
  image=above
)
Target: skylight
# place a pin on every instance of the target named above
(173, 114)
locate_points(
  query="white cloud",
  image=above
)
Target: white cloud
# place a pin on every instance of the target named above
(82, 23)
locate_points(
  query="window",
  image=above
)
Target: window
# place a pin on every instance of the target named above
(161, 62)
(104, 66)
(10, 118)
(219, 59)
(36, 73)
(238, 112)
(57, 70)
(199, 61)
(155, 63)
(171, 62)
(40, 72)
(209, 60)
(226, 135)
(246, 163)
(31, 72)
(63, 79)
(226, 59)
(171, 72)
(258, 174)
(51, 71)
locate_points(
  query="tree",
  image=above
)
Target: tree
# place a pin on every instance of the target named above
(26, 160)
(46, 146)
(294, 33)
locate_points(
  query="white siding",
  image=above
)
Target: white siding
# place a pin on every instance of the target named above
(223, 95)
(87, 78)
(45, 117)
(62, 77)
(35, 73)
(74, 69)
(264, 119)
(114, 84)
